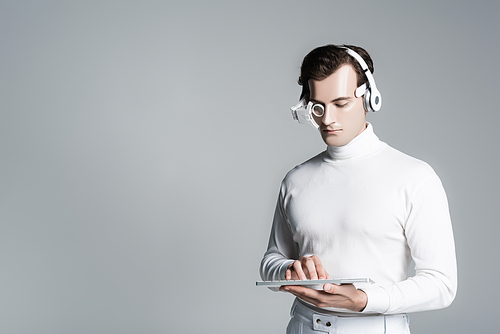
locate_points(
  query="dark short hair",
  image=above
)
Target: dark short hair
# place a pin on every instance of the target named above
(324, 60)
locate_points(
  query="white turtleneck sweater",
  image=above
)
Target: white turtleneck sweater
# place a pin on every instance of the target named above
(366, 209)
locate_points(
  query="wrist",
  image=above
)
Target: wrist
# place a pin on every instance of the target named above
(361, 301)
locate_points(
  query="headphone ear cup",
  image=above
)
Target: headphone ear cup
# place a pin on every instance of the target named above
(366, 100)
(375, 100)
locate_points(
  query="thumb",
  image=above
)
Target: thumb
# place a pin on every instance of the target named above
(330, 288)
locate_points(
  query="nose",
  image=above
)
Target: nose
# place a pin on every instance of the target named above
(330, 116)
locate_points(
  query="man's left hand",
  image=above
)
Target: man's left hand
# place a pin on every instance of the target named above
(338, 296)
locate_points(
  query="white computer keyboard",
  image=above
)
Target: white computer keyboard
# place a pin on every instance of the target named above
(315, 284)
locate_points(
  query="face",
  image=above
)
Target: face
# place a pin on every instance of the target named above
(344, 116)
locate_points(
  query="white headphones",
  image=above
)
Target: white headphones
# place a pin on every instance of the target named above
(372, 99)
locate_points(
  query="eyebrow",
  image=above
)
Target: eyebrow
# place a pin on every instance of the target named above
(335, 100)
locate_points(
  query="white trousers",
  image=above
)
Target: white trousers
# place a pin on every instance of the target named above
(305, 320)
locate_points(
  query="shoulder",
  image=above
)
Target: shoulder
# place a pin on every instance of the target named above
(409, 173)
(406, 164)
(304, 170)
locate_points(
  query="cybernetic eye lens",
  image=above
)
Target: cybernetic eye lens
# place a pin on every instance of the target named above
(318, 110)
(303, 113)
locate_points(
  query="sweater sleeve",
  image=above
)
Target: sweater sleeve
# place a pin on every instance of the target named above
(281, 250)
(429, 235)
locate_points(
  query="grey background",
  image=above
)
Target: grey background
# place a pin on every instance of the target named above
(142, 145)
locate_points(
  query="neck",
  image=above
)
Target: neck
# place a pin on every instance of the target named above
(363, 144)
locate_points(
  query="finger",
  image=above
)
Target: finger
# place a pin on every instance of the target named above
(322, 274)
(344, 290)
(310, 265)
(299, 290)
(294, 275)
(297, 267)
(289, 272)
(320, 270)
(309, 295)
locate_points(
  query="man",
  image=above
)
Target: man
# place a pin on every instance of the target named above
(358, 209)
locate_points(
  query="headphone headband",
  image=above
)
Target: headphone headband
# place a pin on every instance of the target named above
(373, 98)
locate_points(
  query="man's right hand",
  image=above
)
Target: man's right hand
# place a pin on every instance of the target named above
(307, 267)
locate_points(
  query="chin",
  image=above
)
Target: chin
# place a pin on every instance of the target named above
(335, 141)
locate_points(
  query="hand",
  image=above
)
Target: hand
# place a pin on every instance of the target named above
(307, 267)
(338, 296)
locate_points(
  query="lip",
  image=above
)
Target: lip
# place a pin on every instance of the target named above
(332, 131)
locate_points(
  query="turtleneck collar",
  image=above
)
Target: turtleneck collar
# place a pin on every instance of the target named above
(364, 144)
